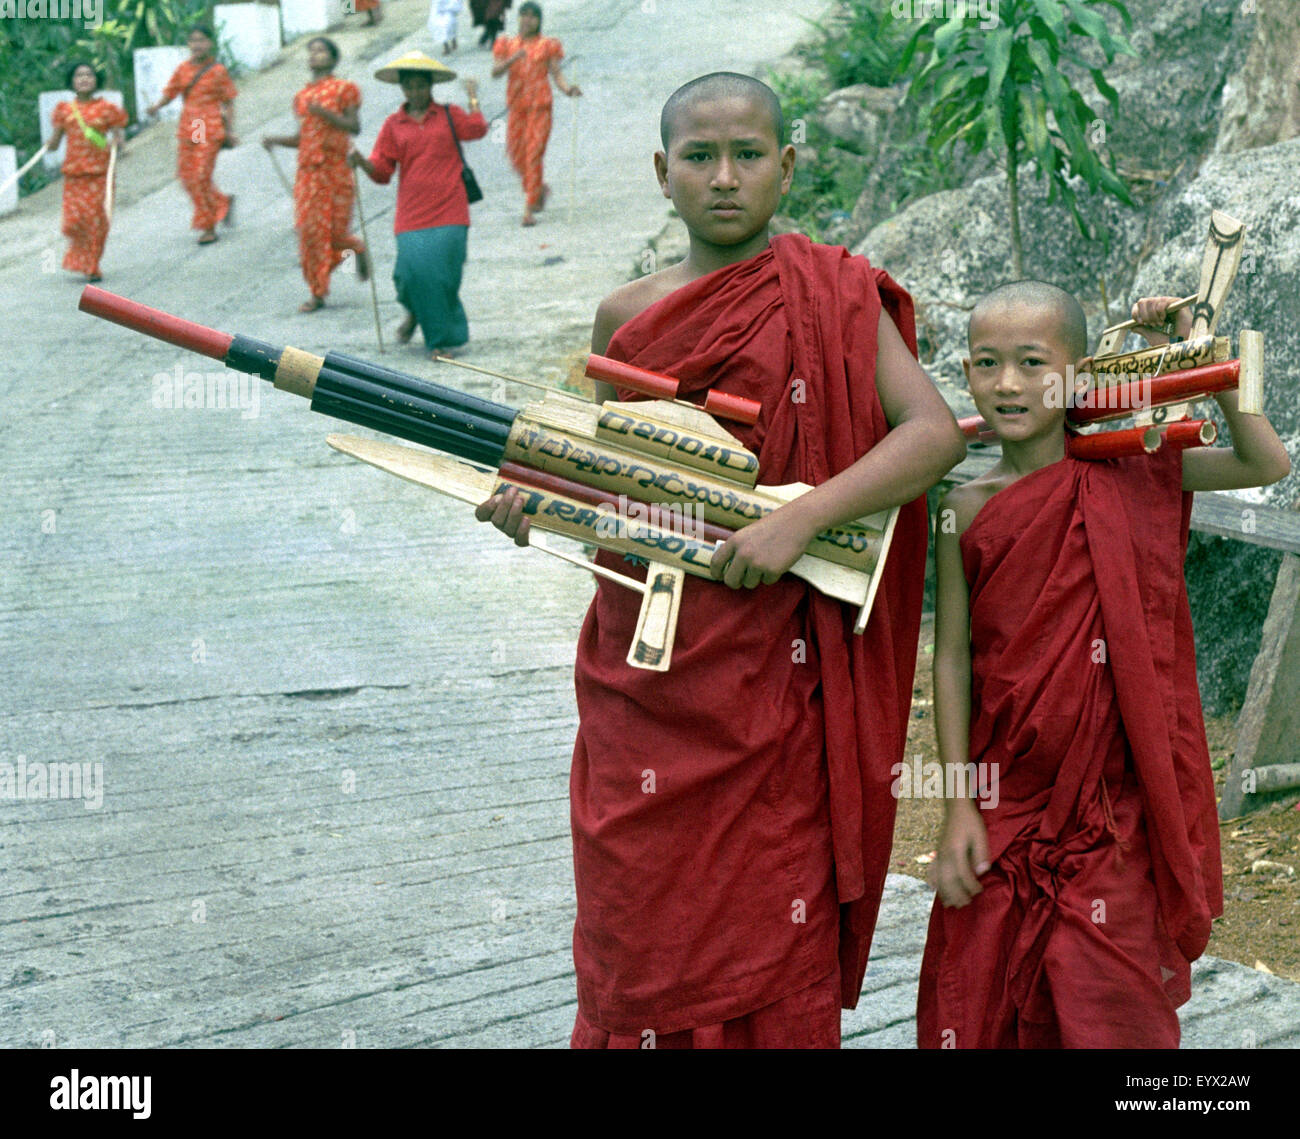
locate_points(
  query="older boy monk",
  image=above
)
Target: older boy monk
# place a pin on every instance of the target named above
(1065, 667)
(731, 900)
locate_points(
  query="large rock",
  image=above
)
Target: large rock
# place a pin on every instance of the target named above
(1261, 102)
(951, 248)
(855, 116)
(1257, 187)
(1169, 93)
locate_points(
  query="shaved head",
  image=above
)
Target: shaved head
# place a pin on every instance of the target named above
(721, 85)
(1068, 322)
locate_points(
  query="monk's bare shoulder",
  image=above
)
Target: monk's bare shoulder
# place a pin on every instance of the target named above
(957, 508)
(630, 300)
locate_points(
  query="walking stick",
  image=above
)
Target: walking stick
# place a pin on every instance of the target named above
(288, 189)
(365, 238)
(26, 166)
(573, 160)
(109, 195)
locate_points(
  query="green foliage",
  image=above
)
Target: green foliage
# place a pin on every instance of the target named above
(1002, 89)
(831, 183)
(864, 44)
(35, 53)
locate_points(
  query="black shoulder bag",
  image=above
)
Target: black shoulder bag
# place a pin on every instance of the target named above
(472, 192)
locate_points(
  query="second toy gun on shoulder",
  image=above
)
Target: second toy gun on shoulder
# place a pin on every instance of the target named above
(1156, 385)
(659, 480)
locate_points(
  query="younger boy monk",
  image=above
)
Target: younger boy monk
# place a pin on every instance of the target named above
(729, 900)
(1064, 666)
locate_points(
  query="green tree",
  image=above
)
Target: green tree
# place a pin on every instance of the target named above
(1002, 88)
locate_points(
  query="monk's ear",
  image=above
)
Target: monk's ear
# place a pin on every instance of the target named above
(1082, 375)
(965, 367)
(787, 167)
(661, 172)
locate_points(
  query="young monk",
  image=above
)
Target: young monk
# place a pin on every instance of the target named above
(323, 190)
(532, 60)
(734, 906)
(206, 124)
(1064, 665)
(93, 126)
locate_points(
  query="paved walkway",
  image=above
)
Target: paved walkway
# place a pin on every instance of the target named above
(333, 714)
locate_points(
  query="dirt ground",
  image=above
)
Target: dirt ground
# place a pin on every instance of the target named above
(1261, 909)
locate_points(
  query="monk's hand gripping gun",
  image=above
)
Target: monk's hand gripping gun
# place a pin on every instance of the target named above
(1157, 385)
(659, 480)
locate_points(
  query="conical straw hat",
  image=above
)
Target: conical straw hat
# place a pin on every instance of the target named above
(416, 61)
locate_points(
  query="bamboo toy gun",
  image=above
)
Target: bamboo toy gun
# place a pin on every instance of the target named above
(1157, 385)
(661, 480)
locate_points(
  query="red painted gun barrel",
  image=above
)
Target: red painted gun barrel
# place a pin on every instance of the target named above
(1114, 444)
(156, 323)
(1119, 400)
(657, 386)
(974, 427)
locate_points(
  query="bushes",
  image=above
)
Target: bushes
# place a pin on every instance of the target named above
(35, 53)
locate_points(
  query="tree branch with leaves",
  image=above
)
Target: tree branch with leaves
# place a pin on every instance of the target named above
(1002, 88)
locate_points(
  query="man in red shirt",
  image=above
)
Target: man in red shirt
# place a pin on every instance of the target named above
(432, 224)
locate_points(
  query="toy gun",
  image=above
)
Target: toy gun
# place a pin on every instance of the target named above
(1156, 385)
(660, 480)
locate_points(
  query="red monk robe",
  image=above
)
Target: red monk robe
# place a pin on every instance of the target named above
(732, 818)
(1104, 843)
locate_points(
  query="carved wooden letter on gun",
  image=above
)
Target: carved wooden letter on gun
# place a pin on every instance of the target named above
(659, 480)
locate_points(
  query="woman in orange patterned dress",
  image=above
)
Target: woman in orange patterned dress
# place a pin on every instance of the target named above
(533, 60)
(91, 126)
(206, 125)
(323, 191)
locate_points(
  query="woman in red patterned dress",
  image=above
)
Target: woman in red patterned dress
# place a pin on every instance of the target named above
(323, 191)
(533, 60)
(91, 126)
(206, 124)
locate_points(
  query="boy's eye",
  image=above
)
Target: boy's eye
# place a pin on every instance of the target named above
(1033, 362)
(985, 362)
(751, 154)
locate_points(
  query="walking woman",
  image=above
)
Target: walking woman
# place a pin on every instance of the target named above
(92, 127)
(329, 110)
(206, 127)
(532, 60)
(432, 223)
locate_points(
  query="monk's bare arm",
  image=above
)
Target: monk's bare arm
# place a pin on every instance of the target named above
(1256, 458)
(962, 852)
(609, 319)
(951, 636)
(922, 445)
